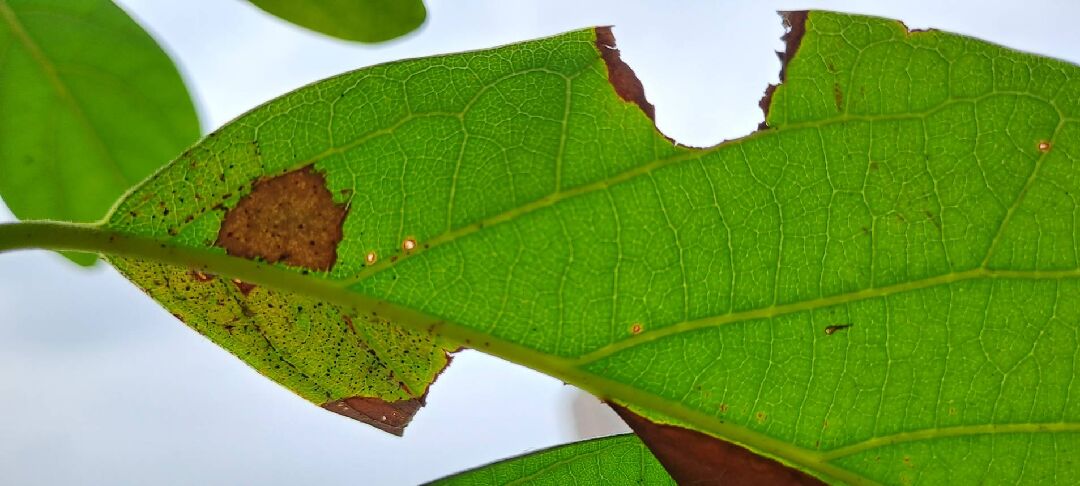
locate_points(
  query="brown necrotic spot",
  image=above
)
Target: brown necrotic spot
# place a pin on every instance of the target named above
(384, 415)
(244, 287)
(200, 276)
(620, 75)
(291, 218)
(1044, 146)
(795, 23)
(390, 417)
(692, 457)
(836, 327)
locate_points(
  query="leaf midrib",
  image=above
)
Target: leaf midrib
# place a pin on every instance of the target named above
(96, 238)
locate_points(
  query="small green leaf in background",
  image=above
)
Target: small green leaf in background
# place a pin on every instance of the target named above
(355, 20)
(617, 460)
(89, 106)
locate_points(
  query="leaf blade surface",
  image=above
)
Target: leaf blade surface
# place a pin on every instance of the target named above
(866, 289)
(620, 459)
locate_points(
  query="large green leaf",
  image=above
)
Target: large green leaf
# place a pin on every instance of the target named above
(881, 286)
(356, 20)
(89, 106)
(621, 459)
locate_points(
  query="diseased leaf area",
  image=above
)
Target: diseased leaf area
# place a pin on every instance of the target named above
(691, 457)
(618, 460)
(880, 286)
(356, 20)
(91, 106)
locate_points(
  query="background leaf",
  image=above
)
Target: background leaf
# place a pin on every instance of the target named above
(355, 20)
(90, 106)
(621, 459)
(867, 289)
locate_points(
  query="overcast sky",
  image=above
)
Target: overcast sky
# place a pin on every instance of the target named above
(100, 386)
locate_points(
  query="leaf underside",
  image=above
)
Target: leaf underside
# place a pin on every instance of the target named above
(879, 286)
(84, 85)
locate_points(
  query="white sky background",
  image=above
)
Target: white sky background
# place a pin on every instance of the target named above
(98, 385)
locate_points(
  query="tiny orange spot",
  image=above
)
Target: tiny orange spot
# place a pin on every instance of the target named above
(1044, 146)
(409, 244)
(370, 258)
(201, 277)
(636, 328)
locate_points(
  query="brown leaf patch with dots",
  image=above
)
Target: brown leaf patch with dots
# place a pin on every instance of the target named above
(390, 417)
(291, 218)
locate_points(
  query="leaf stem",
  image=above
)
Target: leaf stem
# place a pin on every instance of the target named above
(95, 238)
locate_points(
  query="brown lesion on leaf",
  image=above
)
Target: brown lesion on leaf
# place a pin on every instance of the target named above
(622, 78)
(692, 457)
(291, 218)
(200, 276)
(242, 286)
(795, 23)
(832, 329)
(934, 220)
(390, 417)
(908, 31)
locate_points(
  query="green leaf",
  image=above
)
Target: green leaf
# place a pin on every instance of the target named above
(355, 20)
(620, 459)
(881, 286)
(91, 106)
